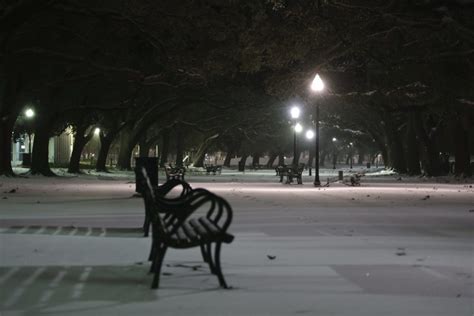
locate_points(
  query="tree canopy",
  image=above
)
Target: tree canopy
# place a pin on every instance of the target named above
(394, 70)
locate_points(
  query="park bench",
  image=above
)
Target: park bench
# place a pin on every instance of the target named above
(171, 191)
(355, 179)
(197, 219)
(175, 173)
(213, 169)
(290, 173)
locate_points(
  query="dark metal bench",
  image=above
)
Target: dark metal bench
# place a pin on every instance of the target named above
(175, 173)
(198, 219)
(172, 191)
(213, 169)
(290, 173)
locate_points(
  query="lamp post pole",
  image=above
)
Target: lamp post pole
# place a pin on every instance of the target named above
(317, 183)
(317, 86)
(294, 147)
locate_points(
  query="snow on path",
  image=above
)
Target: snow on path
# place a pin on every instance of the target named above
(386, 248)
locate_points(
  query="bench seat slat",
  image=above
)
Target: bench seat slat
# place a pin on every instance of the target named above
(200, 229)
(181, 236)
(190, 232)
(210, 226)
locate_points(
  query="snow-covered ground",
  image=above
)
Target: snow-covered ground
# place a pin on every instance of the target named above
(393, 246)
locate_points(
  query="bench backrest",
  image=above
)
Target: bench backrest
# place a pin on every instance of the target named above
(150, 207)
(167, 189)
(169, 214)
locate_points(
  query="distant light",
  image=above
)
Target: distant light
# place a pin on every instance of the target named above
(295, 112)
(334, 139)
(309, 134)
(298, 128)
(352, 144)
(29, 113)
(97, 131)
(317, 84)
(22, 146)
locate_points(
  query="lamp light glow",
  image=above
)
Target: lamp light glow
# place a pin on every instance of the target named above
(309, 134)
(29, 113)
(295, 112)
(317, 84)
(96, 131)
(298, 128)
(334, 139)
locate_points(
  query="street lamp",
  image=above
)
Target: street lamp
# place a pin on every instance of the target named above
(29, 114)
(295, 112)
(334, 140)
(317, 86)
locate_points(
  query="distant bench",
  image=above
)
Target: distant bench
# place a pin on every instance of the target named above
(213, 169)
(175, 173)
(291, 173)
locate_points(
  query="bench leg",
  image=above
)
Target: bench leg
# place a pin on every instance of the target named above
(217, 262)
(206, 252)
(146, 226)
(157, 263)
(154, 245)
(205, 255)
(210, 262)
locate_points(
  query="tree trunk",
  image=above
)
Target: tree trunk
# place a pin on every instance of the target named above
(9, 111)
(165, 148)
(322, 158)
(296, 159)
(462, 151)
(412, 145)
(431, 159)
(255, 159)
(310, 159)
(228, 157)
(199, 159)
(40, 163)
(179, 145)
(201, 153)
(271, 159)
(360, 159)
(6, 129)
(144, 146)
(126, 148)
(395, 147)
(281, 159)
(80, 140)
(243, 159)
(105, 143)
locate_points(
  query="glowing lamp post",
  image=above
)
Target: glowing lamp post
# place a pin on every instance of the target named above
(29, 114)
(317, 86)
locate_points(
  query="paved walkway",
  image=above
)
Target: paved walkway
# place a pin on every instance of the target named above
(71, 247)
